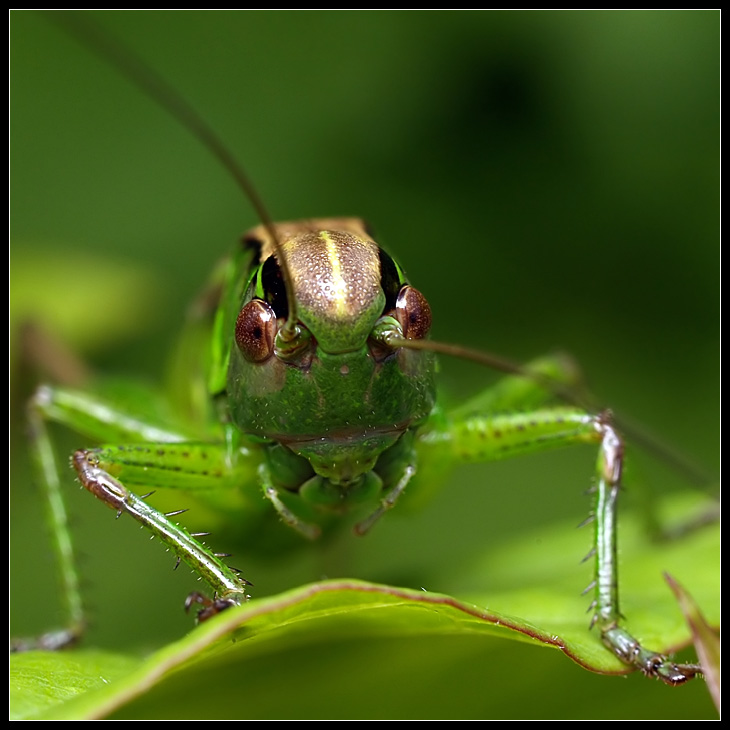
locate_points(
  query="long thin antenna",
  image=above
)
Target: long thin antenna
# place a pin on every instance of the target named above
(93, 37)
(635, 433)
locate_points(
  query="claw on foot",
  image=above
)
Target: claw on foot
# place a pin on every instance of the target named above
(210, 606)
(674, 674)
(628, 650)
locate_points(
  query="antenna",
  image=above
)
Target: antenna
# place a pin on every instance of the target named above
(636, 433)
(93, 37)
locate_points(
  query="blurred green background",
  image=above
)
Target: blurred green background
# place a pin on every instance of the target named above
(548, 180)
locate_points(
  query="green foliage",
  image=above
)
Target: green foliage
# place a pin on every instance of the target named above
(355, 650)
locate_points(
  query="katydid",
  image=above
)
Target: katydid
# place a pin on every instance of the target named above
(319, 398)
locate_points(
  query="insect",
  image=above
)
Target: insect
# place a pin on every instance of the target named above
(467, 259)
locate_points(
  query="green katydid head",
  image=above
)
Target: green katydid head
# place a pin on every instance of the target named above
(342, 283)
(322, 368)
(335, 269)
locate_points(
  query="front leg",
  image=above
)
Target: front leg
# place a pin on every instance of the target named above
(156, 455)
(93, 468)
(606, 602)
(475, 437)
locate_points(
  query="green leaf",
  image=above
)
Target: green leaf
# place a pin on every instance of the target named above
(45, 681)
(353, 650)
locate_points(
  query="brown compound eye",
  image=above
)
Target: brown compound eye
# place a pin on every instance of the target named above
(413, 313)
(255, 331)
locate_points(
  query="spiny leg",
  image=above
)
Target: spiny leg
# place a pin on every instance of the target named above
(475, 437)
(606, 602)
(93, 471)
(167, 462)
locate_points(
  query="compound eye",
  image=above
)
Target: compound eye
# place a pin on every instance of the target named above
(413, 313)
(255, 331)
